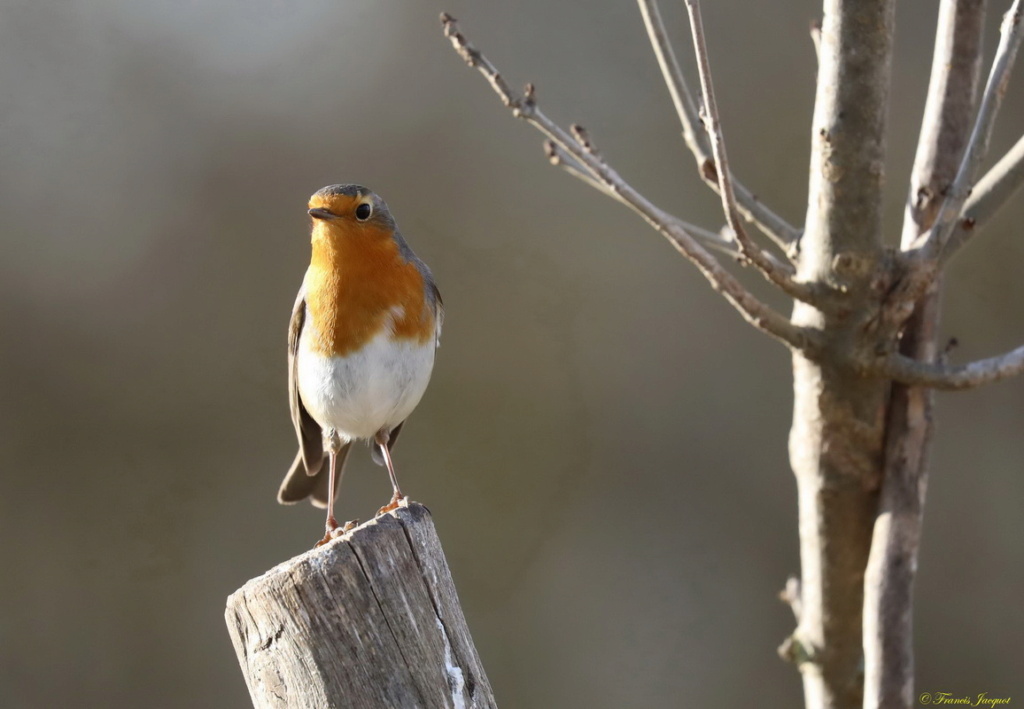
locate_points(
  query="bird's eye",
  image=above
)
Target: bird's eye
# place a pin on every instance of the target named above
(363, 212)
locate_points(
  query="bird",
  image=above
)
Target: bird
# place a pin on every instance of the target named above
(361, 343)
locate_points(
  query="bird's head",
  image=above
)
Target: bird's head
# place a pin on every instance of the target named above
(341, 211)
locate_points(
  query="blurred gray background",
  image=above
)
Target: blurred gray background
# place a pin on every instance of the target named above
(603, 445)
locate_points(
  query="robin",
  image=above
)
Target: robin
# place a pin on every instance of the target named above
(361, 343)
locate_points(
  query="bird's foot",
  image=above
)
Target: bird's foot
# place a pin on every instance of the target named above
(337, 531)
(397, 500)
(331, 531)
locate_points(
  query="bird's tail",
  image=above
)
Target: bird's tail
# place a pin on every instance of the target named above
(375, 451)
(299, 483)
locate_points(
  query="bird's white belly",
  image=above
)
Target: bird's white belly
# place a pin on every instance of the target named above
(372, 388)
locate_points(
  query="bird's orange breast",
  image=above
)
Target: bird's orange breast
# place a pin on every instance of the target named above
(357, 285)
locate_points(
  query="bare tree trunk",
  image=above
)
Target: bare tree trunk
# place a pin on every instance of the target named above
(838, 418)
(892, 566)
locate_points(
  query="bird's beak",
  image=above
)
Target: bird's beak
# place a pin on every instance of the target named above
(321, 213)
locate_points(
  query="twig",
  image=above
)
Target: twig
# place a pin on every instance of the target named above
(753, 310)
(748, 248)
(714, 240)
(560, 158)
(790, 595)
(934, 241)
(988, 197)
(816, 37)
(774, 226)
(940, 376)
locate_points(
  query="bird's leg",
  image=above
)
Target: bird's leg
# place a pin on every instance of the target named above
(332, 442)
(382, 438)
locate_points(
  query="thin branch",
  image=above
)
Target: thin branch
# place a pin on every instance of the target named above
(988, 197)
(948, 113)
(562, 159)
(748, 248)
(890, 572)
(774, 226)
(940, 376)
(753, 310)
(682, 98)
(724, 243)
(559, 158)
(934, 241)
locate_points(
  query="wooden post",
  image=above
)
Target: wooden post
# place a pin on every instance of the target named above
(369, 620)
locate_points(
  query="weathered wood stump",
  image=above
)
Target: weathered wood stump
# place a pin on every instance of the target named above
(371, 619)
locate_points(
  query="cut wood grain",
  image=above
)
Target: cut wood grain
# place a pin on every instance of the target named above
(371, 619)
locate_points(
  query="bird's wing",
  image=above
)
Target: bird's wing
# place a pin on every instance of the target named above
(306, 429)
(438, 313)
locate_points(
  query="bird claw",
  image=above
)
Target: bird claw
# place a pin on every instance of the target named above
(396, 502)
(336, 531)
